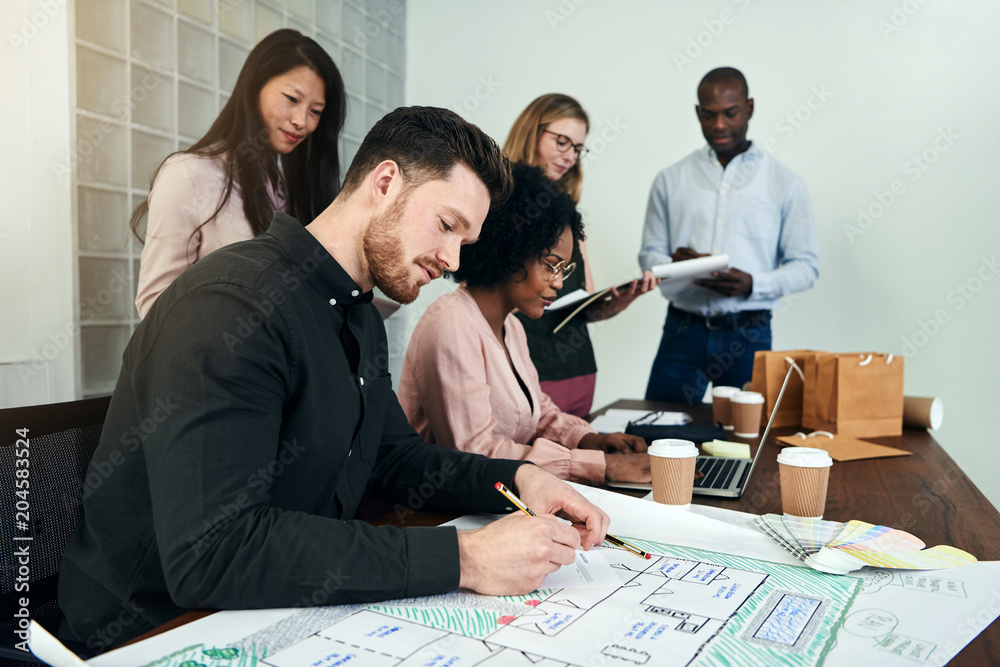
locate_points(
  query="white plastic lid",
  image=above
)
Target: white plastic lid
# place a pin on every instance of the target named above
(805, 457)
(724, 392)
(673, 449)
(747, 397)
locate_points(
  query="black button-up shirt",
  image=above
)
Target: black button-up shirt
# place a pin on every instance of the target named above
(253, 410)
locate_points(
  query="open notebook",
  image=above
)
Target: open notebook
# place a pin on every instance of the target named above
(679, 273)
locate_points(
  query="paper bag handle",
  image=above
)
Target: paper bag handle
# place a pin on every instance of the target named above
(888, 360)
(815, 433)
(796, 367)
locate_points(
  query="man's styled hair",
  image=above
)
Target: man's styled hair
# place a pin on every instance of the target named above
(726, 75)
(524, 228)
(426, 143)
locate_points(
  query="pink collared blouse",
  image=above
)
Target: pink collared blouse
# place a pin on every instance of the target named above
(187, 190)
(459, 391)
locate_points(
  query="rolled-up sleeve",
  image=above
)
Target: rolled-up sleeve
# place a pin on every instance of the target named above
(798, 257)
(656, 230)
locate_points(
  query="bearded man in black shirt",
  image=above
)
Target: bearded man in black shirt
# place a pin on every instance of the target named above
(272, 363)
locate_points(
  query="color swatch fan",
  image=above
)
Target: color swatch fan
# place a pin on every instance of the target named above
(839, 548)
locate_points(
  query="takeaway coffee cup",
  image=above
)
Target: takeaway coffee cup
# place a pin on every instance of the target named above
(672, 463)
(804, 474)
(721, 412)
(747, 408)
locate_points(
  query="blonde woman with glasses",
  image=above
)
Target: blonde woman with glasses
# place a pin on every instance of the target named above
(468, 381)
(550, 134)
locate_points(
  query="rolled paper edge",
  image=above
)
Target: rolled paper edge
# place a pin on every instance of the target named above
(923, 412)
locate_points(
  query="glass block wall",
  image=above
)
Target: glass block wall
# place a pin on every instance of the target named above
(151, 76)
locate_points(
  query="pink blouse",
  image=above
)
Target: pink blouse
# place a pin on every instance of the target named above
(458, 391)
(186, 192)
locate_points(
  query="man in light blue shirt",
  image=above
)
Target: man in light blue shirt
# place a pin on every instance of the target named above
(731, 198)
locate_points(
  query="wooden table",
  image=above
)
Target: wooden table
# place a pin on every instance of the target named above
(925, 494)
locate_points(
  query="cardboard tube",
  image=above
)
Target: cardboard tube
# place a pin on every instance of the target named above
(922, 412)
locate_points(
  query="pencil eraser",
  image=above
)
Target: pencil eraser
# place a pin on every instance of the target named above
(498, 486)
(649, 556)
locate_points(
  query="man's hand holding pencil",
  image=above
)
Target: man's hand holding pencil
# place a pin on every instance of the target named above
(544, 493)
(513, 555)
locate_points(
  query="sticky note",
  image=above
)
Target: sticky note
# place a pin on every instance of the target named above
(735, 450)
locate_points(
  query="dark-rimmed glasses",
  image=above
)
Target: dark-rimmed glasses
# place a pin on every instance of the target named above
(564, 143)
(561, 269)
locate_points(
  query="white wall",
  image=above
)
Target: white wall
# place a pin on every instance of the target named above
(38, 341)
(886, 79)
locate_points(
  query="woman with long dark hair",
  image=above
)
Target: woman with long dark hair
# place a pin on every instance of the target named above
(272, 148)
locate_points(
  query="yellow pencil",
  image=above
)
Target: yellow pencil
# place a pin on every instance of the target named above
(618, 542)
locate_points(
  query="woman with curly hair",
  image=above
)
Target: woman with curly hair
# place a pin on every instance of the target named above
(468, 382)
(272, 148)
(549, 134)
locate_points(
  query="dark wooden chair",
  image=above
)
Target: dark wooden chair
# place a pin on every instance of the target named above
(39, 516)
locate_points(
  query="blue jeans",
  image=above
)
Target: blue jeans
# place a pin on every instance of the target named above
(691, 355)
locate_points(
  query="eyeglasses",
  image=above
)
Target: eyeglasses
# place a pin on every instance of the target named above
(564, 143)
(562, 268)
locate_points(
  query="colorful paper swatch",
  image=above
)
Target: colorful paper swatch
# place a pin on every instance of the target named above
(839, 548)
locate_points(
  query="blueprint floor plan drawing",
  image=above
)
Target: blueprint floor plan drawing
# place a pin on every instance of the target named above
(684, 607)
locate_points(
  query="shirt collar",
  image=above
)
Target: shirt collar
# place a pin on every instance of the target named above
(315, 265)
(753, 154)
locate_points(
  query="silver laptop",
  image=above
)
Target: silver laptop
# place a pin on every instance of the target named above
(723, 476)
(727, 477)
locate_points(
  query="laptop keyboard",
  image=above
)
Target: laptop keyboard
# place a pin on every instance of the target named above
(718, 472)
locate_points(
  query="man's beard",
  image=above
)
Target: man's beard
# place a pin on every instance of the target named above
(384, 253)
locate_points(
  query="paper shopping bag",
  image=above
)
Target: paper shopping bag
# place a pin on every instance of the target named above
(859, 395)
(769, 370)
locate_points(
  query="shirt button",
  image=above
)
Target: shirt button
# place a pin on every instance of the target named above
(333, 302)
(361, 380)
(355, 292)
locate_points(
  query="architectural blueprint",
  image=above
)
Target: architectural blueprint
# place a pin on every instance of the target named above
(691, 604)
(685, 606)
